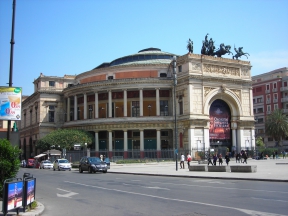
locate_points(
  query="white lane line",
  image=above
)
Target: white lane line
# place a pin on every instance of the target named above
(247, 211)
(190, 185)
(286, 201)
(156, 188)
(68, 195)
(63, 190)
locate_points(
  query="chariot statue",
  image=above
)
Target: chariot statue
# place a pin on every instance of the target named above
(208, 46)
(239, 53)
(223, 50)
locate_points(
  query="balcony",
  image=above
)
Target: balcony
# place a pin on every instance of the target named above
(268, 112)
(267, 91)
(283, 100)
(274, 89)
(275, 100)
(268, 101)
(284, 88)
(285, 110)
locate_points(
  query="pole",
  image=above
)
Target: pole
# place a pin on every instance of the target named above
(12, 42)
(175, 117)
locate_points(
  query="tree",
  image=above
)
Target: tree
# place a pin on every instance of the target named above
(276, 125)
(259, 142)
(65, 138)
(9, 161)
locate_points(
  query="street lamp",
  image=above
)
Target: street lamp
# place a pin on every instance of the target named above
(175, 118)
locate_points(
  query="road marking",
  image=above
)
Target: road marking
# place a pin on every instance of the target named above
(247, 211)
(286, 201)
(190, 185)
(156, 188)
(68, 195)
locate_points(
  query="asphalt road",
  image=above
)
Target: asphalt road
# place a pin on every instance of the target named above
(72, 193)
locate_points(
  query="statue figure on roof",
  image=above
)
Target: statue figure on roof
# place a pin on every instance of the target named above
(239, 53)
(208, 46)
(190, 46)
(223, 50)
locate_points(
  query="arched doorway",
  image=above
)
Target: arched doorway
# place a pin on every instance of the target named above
(220, 134)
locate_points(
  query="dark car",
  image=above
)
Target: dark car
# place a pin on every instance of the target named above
(107, 161)
(92, 164)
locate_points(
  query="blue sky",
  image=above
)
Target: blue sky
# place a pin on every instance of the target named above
(58, 37)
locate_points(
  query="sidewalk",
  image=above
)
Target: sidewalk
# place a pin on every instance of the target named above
(267, 170)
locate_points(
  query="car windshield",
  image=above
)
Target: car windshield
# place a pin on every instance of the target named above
(63, 161)
(46, 161)
(94, 159)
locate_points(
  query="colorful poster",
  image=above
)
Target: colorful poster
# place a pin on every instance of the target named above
(10, 103)
(30, 191)
(15, 191)
(220, 125)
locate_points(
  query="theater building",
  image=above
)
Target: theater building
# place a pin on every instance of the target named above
(128, 104)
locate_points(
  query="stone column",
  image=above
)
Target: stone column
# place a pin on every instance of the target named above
(234, 139)
(158, 143)
(125, 102)
(142, 154)
(110, 103)
(141, 101)
(75, 107)
(157, 102)
(125, 144)
(110, 145)
(85, 106)
(251, 101)
(240, 140)
(206, 143)
(96, 105)
(96, 144)
(192, 143)
(253, 139)
(68, 109)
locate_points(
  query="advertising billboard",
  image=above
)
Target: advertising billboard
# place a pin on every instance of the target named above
(10, 103)
(220, 125)
(30, 191)
(13, 192)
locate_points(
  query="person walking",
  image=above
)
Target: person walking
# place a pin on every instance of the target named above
(214, 159)
(220, 160)
(273, 155)
(189, 158)
(244, 155)
(209, 160)
(182, 161)
(227, 158)
(284, 154)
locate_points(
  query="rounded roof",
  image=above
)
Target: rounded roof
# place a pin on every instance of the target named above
(146, 56)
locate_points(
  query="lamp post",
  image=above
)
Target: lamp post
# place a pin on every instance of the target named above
(175, 118)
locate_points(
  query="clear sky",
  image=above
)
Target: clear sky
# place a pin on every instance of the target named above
(58, 37)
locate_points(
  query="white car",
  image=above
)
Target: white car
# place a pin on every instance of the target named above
(46, 164)
(62, 164)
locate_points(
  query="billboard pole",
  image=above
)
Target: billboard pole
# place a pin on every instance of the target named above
(12, 42)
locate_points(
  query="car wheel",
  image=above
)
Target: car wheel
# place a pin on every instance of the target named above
(58, 168)
(80, 170)
(105, 171)
(90, 170)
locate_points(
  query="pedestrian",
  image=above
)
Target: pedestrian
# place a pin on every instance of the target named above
(244, 155)
(241, 156)
(209, 160)
(276, 154)
(182, 161)
(284, 154)
(227, 158)
(101, 157)
(220, 159)
(189, 158)
(214, 159)
(237, 155)
(273, 155)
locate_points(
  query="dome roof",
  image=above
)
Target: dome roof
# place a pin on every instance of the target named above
(145, 56)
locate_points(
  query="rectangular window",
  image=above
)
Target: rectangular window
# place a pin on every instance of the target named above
(275, 96)
(285, 84)
(259, 100)
(163, 108)
(51, 113)
(136, 134)
(180, 107)
(110, 77)
(52, 83)
(260, 110)
(267, 87)
(268, 97)
(135, 109)
(274, 85)
(164, 133)
(163, 75)
(260, 120)
(180, 68)
(90, 111)
(275, 106)
(268, 107)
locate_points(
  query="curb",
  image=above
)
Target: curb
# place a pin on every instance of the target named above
(204, 177)
(35, 212)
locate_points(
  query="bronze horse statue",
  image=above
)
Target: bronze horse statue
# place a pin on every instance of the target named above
(223, 50)
(239, 53)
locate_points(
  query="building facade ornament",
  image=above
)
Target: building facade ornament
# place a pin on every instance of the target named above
(209, 68)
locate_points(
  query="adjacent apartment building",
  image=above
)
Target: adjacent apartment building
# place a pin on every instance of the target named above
(270, 92)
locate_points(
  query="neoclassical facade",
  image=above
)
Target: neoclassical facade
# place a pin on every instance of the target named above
(128, 104)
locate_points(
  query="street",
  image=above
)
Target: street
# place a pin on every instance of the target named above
(72, 193)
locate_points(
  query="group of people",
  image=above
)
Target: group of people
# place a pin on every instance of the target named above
(182, 160)
(214, 159)
(241, 157)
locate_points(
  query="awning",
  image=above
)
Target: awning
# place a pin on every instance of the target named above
(40, 155)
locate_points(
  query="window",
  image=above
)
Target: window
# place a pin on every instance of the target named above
(36, 109)
(51, 113)
(275, 97)
(136, 134)
(268, 108)
(71, 114)
(164, 133)
(267, 87)
(260, 120)
(260, 110)
(51, 83)
(285, 84)
(163, 75)
(90, 111)
(180, 68)
(110, 77)
(274, 85)
(163, 108)
(268, 97)
(259, 100)
(31, 117)
(135, 109)
(275, 106)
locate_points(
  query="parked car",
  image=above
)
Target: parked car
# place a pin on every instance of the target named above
(30, 163)
(46, 164)
(92, 164)
(62, 164)
(107, 161)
